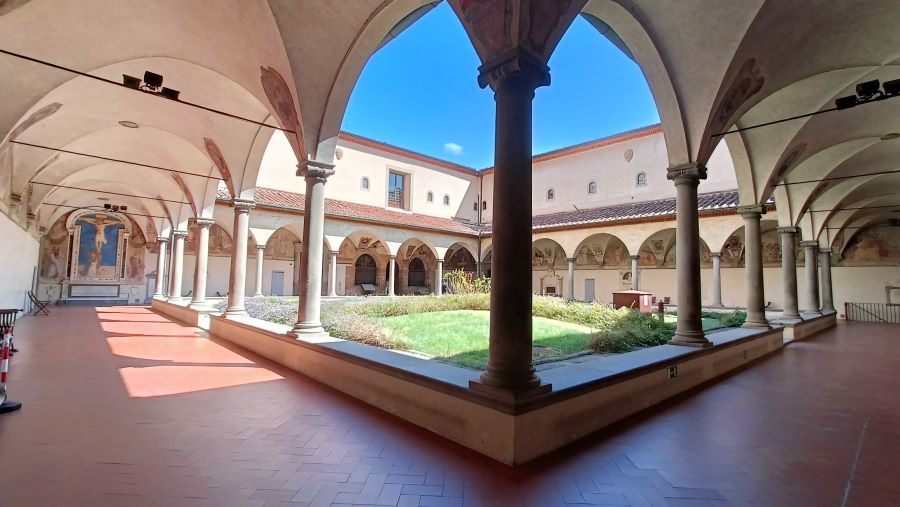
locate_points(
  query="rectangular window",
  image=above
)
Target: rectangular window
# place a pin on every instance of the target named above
(396, 190)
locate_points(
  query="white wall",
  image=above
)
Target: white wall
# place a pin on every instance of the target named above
(19, 258)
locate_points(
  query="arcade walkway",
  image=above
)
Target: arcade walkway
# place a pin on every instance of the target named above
(122, 407)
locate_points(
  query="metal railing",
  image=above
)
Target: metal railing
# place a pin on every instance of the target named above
(873, 312)
(395, 199)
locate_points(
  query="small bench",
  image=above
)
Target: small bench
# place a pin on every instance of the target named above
(369, 289)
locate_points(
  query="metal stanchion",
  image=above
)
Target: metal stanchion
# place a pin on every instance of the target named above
(7, 323)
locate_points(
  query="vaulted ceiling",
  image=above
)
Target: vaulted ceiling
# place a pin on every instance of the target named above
(712, 67)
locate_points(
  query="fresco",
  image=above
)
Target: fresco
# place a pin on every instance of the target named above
(876, 245)
(219, 241)
(604, 251)
(53, 246)
(98, 246)
(281, 245)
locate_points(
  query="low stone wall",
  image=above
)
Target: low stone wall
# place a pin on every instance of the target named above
(435, 395)
(181, 312)
(807, 327)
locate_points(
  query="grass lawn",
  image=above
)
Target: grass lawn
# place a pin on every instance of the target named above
(708, 323)
(460, 336)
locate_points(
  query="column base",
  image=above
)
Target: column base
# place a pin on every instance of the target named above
(757, 324)
(257, 295)
(690, 339)
(200, 306)
(828, 310)
(235, 312)
(307, 329)
(175, 300)
(790, 317)
(510, 397)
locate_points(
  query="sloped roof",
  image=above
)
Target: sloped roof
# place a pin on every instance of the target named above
(334, 208)
(631, 211)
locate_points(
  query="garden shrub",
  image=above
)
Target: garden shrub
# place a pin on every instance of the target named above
(462, 282)
(732, 319)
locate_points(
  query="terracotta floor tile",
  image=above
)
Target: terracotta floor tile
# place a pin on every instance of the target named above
(123, 407)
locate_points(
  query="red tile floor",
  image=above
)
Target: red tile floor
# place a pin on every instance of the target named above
(123, 407)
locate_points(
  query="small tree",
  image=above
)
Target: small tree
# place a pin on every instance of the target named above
(461, 282)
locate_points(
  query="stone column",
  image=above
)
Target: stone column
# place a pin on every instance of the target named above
(175, 279)
(570, 285)
(260, 258)
(810, 251)
(439, 278)
(687, 255)
(332, 275)
(634, 272)
(753, 267)
(161, 253)
(825, 271)
(717, 278)
(198, 300)
(237, 281)
(391, 274)
(298, 251)
(310, 307)
(789, 272)
(510, 370)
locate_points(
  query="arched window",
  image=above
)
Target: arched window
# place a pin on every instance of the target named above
(592, 187)
(446, 200)
(364, 183)
(550, 194)
(365, 270)
(483, 205)
(475, 206)
(641, 179)
(429, 196)
(416, 273)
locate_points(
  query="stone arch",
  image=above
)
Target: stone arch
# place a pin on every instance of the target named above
(280, 245)
(658, 251)
(732, 249)
(548, 262)
(416, 253)
(354, 246)
(602, 250)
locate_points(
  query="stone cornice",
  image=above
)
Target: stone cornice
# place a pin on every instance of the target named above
(809, 244)
(204, 222)
(315, 170)
(788, 230)
(751, 210)
(243, 205)
(518, 63)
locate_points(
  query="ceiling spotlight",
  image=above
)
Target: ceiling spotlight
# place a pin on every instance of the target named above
(129, 124)
(890, 135)
(152, 83)
(845, 102)
(892, 87)
(169, 93)
(103, 198)
(154, 80)
(107, 206)
(866, 89)
(131, 81)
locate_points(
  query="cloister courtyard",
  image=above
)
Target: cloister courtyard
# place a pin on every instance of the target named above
(368, 252)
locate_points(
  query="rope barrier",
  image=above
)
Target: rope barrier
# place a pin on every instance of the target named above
(7, 324)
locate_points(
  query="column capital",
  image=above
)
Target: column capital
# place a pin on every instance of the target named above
(634, 257)
(715, 254)
(204, 222)
(825, 250)
(243, 205)
(788, 230)
(809, 244)
(298, 246)
(517, 64)
(570, 259)
(439, 261)
(260, 247)
(15, 199)
(313, 170)
(179, 234)
(162, 239)
(393, 256)
(686, 173)
(752, 210)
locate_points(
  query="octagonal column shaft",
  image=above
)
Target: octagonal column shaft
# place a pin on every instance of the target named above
(789, 272)
(634, 272)
(332, 280)
(689, 330)
(177, 265)
(161, 253)
(717, 278)
(810, 254)
(753, 268)
(310, 306)
(392, 273)
(570, 285)
(510, 370)
(202, 262)
(260, 258)
(825, 272)
(237, 281)
(439, 277)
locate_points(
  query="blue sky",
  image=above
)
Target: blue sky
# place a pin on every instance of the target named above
(420, 92)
